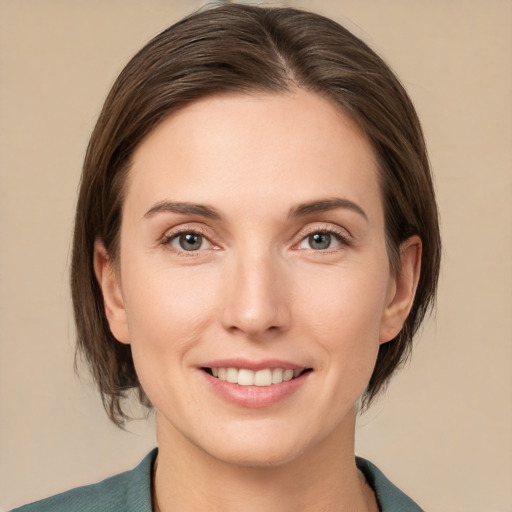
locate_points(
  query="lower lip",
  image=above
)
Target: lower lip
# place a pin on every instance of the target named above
(255, 396)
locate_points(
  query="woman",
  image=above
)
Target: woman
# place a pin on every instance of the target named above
(256, 243)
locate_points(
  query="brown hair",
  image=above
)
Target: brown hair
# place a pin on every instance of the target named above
(239, 48)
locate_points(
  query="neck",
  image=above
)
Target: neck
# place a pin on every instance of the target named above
(324, 479)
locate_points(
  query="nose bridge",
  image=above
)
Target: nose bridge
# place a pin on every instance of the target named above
(256, 302)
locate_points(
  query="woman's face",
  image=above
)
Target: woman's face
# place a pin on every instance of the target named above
(252, 250)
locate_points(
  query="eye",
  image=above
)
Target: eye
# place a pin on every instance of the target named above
(189, 241)
(320, 241)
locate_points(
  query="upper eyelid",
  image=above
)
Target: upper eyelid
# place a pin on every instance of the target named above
(199, 228)
(324, 228)
(187, 228)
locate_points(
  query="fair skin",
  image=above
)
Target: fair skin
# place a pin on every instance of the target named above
(253, 239)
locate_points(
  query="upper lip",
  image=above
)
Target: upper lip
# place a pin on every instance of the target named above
(252, 364)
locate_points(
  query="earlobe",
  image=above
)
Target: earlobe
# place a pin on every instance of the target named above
(402, 289)
(111, 290)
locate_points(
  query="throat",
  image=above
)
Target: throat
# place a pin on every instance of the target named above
(255, 489)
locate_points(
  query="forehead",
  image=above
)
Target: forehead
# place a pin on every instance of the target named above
(281, 147)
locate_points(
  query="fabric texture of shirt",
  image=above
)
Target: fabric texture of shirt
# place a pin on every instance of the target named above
(131, 492)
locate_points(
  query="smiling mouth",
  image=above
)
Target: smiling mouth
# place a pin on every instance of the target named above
(264, 377)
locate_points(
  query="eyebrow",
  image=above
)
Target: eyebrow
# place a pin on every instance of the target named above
(321, 205)
(324, 205)
(184, 208)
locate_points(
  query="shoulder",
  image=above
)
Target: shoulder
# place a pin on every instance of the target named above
(127, 492)
(390, 497)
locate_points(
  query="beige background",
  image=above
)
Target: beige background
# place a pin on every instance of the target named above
(443, 432)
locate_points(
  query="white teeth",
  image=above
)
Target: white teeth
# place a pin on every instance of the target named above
(288, 375)
(277, 376)
(232, 375)
(263, 378)
(245, 377)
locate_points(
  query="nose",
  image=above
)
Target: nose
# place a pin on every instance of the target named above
(256, 303)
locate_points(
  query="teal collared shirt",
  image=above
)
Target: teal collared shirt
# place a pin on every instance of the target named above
(131, 492)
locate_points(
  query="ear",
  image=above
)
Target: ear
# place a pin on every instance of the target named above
(402, 289)
(112, 297)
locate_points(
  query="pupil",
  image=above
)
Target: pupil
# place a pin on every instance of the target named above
(190, 241)
(320, 241)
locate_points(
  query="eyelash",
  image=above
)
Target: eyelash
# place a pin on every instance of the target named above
(167, 239)
(340, 236)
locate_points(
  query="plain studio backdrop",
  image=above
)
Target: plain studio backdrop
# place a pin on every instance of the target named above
(443, 431)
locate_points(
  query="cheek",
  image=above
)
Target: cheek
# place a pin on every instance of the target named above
(343, 309)
(167, 310)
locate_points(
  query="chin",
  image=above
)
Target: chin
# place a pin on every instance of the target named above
(260, 445)
(257, 456)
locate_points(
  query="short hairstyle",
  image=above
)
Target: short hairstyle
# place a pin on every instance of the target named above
(242, 49)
